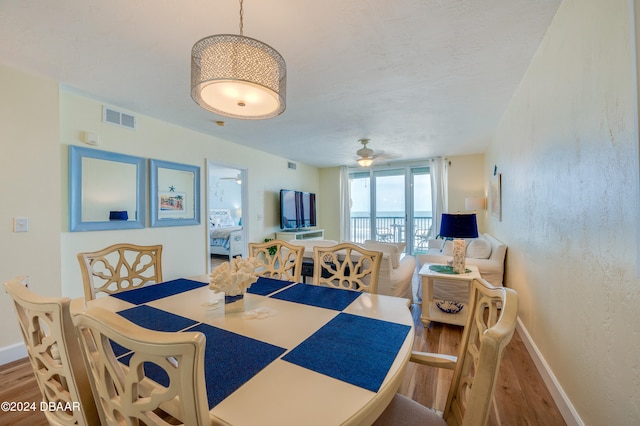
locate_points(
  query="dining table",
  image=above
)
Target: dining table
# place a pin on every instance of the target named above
(294, 354)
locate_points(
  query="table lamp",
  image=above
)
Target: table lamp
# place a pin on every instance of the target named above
(455, 226)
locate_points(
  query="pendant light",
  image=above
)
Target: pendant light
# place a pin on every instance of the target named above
(238, 77)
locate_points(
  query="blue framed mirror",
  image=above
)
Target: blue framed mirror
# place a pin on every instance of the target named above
(174, 194)
(106, 190)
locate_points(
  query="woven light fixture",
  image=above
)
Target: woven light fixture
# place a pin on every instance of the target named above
(238, 77)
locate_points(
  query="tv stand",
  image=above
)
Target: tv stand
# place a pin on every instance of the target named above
(316, 234)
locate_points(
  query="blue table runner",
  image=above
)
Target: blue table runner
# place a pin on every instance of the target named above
(149, 293)
(156, 319)
(265, 286)
(230, 359)
(153, 319)
(322, 297)
(339, 350)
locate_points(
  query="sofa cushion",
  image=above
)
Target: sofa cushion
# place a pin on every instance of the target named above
(392, 249)
(479, 248)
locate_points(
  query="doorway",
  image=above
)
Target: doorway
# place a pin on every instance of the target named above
(226, 212)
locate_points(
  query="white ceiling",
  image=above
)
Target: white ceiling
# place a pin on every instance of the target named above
(420, 78)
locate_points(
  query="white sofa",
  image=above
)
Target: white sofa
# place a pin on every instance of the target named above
(392, 281)
(490, 262)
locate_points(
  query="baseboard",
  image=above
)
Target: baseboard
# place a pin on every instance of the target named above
(563, 403)
(12, 353)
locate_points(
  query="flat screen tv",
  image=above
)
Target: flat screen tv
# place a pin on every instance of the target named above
(297, 209)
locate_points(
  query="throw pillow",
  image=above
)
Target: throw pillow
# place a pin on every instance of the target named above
(479, 248)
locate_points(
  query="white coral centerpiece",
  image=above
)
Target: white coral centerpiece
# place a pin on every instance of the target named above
(234, 277)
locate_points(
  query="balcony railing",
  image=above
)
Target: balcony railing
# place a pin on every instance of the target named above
(392, 229)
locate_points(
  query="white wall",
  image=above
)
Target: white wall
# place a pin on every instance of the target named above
(567, 148)
(29, 172)
(466, 179)
(38, 123)
(328, 203)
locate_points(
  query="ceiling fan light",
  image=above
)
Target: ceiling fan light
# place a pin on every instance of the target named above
(238, 77)
(365, 161)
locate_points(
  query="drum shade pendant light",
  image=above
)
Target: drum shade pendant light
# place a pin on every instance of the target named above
(238, 77)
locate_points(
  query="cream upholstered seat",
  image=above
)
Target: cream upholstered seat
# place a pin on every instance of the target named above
(346, 266)
(55, 355)
(486, 334)
(285, 263)
(125, 394)
(120, 267)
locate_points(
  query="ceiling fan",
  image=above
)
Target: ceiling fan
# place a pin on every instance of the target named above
(237, 179)
(366, 154)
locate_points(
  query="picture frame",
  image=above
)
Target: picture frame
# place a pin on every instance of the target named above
(495, 193)
(120, 180)
(172, 203)
(174, 197)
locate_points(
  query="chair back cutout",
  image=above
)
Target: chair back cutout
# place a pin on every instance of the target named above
(126, 394)
(281, 259)
(120, 267)
(55, 356)
(493, 313)
(347, 266)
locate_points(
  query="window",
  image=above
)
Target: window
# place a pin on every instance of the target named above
(391, 204)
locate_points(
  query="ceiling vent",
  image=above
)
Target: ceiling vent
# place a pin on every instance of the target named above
(122, 119)
(291, 165)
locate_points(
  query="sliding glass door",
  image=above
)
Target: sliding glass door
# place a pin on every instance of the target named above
(391, 204)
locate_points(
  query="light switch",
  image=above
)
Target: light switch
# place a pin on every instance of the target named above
(20, 224)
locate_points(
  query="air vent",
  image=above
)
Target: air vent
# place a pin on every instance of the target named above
(112, 116)
(291, 165)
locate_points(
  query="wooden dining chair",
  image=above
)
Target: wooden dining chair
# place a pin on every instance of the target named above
(120, 267)
(55, 356)
(125, 393)
(347, 266)
(281, 259)
(493, 312)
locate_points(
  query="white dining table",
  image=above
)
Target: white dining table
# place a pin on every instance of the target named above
(307, 355)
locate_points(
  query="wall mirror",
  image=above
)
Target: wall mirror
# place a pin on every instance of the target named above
(174, 194)
(106, 190)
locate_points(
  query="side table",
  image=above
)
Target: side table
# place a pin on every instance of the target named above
(430, 312)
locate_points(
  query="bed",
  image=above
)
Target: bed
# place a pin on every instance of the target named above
(225, 237)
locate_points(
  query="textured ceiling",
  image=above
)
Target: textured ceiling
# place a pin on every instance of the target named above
(420, 78)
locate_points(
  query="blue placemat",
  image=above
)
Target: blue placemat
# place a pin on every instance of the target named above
(322, 297)
(353, 349)
(265, 286)
(157, 291)
(156, 319)
(231, 360)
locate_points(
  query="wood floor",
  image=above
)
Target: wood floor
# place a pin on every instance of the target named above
(521, 397)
